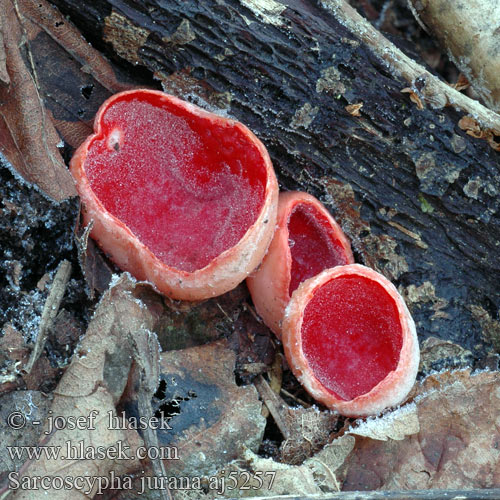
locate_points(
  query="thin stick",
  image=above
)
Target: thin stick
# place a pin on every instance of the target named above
(50, 310)
(434, 91)
(395, 495)
(295, 398)
(275, 405)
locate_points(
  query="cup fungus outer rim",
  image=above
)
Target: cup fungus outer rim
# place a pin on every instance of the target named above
(269, 283)
(392, 389)
(226, 270)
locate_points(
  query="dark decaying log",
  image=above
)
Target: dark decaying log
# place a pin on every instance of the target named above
(417, 196)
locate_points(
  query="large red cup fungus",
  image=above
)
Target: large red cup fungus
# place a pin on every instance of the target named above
(178, 196)
(307, 241)
(350, 340)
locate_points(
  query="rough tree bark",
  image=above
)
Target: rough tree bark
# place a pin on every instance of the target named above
(416, 195)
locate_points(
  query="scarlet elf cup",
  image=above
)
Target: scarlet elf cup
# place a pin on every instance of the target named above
(178, 196)
(188, 201)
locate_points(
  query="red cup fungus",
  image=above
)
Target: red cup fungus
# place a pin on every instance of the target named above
(178, 196)
(307, 241)
(350, 340)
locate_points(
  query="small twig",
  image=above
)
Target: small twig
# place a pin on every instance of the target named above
(478, 494)
(50, 310)
(274, 403)
(295, 398)
(434, 91)
(147, 366)
(411, 234)
(224, 312)
(251, 310)
(383, 14)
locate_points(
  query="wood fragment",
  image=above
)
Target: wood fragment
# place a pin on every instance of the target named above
(434, 91)
(274, 403)
(147, 372)
(469, 36)
(411, 234)
(353, 109)
(50, 310)
(485, 494)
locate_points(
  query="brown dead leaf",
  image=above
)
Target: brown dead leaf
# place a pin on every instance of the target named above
(96, 270)
(65, 333)
(187, 324)
(43, 376)
(253, 343)
(37, 98)
(13, 354)
(414, 97)
(52, 22)
(71, 97)
(28, 137)
(305, 430)
(309, 431)
(212, 419)
(473, 128)
(457, 445)
(278, 478)
(35, 406)
(353, 109)
(4, 75)
(493, 139)
(93, 384)
(461, 84)
(316, 476)
(394, 425)
(13, 349)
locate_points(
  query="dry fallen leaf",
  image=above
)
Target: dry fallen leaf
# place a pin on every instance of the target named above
(457, 445)
(92, 385)
(35, 406)
(394, 425)
(27, 136)
(37, 100)
(353, 109)
(309, 430)
(215, 420)
(472, 127)
(414, 97)
(317, 475)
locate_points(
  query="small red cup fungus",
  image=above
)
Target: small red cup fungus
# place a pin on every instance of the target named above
(178, 196)
(350, 340)
(307, 241)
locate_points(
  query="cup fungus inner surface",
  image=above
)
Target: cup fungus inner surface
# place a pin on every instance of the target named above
(351, 335)
(187, 186)
(313, 245)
